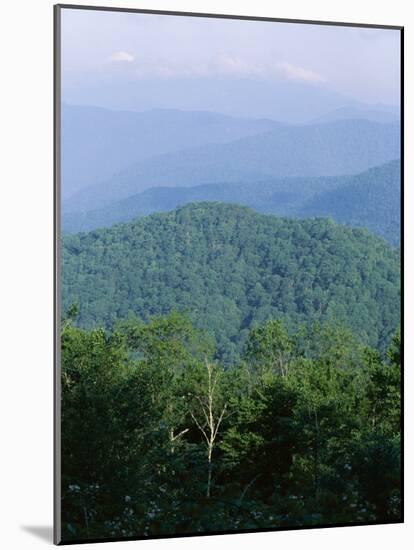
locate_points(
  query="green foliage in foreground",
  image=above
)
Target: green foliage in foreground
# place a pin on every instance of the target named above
(158, 439)
(229, 266)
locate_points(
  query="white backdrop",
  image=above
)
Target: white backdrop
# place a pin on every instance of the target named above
(26, 298)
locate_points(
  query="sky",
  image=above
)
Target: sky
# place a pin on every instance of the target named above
(141, 61)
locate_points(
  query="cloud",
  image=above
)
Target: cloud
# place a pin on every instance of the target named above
(299, 73)
(122, 56)
(234, 66)
(222, 65)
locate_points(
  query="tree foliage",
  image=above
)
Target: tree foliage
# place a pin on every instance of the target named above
(229, 267)
(159, 438)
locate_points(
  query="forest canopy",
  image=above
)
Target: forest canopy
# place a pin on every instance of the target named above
(229, 371)
(303, 430)
(228, 268)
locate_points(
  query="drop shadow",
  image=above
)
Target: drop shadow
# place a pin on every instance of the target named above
(43, 532)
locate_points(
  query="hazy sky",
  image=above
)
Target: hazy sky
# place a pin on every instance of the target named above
(113, 51)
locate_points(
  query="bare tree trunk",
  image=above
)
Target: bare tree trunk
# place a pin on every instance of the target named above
(210, 467)
(174, 438)
(210, 427)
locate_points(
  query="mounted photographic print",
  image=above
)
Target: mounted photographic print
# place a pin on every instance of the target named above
(228, 274)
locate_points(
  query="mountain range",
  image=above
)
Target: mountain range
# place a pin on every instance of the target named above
(288, 101)
(369, 199)
(376, 114)
(342, 147)
(98, 143)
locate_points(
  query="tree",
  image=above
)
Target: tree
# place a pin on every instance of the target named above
(208, 408)
(268, 349)
(314, 439)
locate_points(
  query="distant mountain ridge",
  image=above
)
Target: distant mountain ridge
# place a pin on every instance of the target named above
(386, 116)
(280, 196)
(370, 199)
(97, 142)
(342, 147)
(288, 101)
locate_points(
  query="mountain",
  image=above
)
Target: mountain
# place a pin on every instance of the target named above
(342, 147)
(280, 99)
(97, 143)
(359, 112)
(282, 196)
(370, 199)
(230, 267)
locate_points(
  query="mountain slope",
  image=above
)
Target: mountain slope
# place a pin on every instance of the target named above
(287, 100)
(230, 267)
(282, 196)
(97, 143)
(359, 112)
(370, 200)
(342, 147)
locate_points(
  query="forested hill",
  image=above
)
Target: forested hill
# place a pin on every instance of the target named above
(230, 267)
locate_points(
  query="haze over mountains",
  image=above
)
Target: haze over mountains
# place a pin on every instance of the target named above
(98, 143)
(378, 113)
(370, 199)
(118, 165)
(286, 100)
(337, 148)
